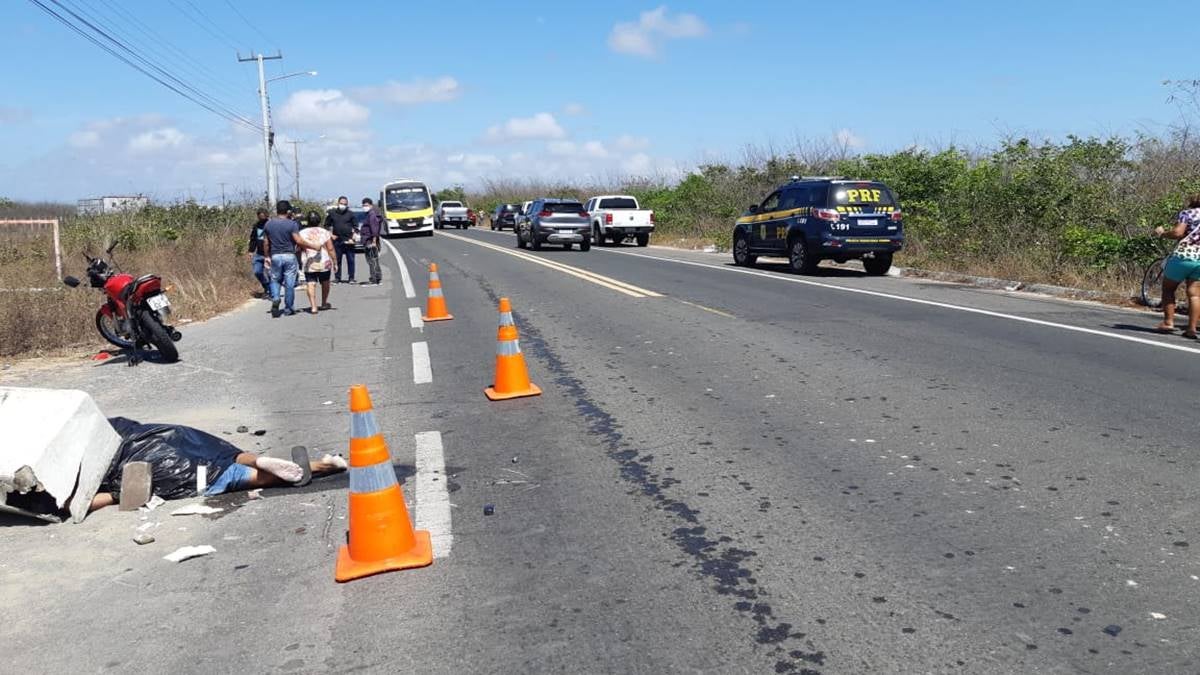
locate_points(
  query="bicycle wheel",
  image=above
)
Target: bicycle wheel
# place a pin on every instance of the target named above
(1152, 284)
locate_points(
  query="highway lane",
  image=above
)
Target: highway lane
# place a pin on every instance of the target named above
(911, 486)
(727, 472)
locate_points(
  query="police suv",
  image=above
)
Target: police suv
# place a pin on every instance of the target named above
(815, 218)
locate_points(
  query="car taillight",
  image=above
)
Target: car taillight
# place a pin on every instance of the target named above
(828, 214)
(545, 214)
(584, 214)
(897, 216)
(608, 219)
(651, 217)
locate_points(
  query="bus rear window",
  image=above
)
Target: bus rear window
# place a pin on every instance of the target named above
(862, 194)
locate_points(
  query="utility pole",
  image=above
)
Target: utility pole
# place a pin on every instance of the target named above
(296, 164)
(222, 196)
(268, 135)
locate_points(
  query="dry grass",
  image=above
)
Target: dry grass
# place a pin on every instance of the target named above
(207, 274)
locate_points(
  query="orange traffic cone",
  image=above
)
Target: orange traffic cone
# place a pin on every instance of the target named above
(435, 306)
(512, 379)
(381, 537)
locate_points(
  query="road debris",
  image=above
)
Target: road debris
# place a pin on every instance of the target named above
(196, 510)
(188, 552)
(143, 539)
(243, 430)
(489, 509)
(154, 503)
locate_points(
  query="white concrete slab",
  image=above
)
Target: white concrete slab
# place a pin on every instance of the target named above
(62, 435)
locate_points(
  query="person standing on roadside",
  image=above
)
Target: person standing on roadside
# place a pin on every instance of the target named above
(341, 222)
(317, 263)
(256, 252)
(1182, 267)
(370, 233)
(280, 242)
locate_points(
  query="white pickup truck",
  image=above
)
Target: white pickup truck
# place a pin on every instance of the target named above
(451, 213)
(617, 217)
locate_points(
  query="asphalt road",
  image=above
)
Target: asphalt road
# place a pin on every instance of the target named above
(729, 471)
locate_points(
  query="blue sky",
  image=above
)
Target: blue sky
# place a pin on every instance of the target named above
(460, 92)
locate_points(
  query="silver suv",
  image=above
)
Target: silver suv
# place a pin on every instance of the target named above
(555, 221)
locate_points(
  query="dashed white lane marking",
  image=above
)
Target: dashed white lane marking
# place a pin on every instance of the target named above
(433, 493)
(414, 317)
(586, 275)
(422, 368)
(917, 301)
(409, 292)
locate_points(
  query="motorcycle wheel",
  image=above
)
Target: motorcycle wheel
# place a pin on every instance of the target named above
(158, 336)
(106, 324)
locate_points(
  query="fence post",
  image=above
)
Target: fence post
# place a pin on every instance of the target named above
(57, 252)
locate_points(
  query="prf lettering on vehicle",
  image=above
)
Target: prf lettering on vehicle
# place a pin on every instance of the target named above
(863, 196)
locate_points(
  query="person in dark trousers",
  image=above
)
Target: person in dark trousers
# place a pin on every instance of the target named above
(370, 233)
(281, 237)
(256, 252)
(340, 221)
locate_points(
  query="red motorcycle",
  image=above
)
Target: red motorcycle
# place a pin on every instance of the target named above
(135, 312)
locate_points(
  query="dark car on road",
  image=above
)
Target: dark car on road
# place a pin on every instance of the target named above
(822, 218)
(555, 221)
(505, 215)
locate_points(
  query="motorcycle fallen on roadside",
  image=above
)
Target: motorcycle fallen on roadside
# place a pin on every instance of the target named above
(135, 310)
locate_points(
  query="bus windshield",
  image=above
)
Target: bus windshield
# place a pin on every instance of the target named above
(406, 199)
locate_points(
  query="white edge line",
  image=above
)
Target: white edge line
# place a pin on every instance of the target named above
(433, 493)
(919, 301)
(414, 318)
(422, 369)
(409, 292)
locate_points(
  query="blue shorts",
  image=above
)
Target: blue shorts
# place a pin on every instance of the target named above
(232, 479)
(1181, 269)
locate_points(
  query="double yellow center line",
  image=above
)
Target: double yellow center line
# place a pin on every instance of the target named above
(598, 279)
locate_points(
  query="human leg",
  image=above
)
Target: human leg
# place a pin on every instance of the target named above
(310, 289)
(372, 254)
(290, 272)
(1193, 295)
(260, 273)
(1168, 304)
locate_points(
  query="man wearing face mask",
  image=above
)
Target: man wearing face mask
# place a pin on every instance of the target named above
(340, 221)
(256, 252)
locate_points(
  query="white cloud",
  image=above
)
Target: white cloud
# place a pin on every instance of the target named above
(561, 148)
(541, 126)
(645, 36)
(594, 149)
(474, 161)
(848, 139)
(156, 140)
(322, 108)
(575, 109)
(418, 91)
(627, 142)
(86, 138)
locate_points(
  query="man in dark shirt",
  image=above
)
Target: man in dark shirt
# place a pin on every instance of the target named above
(255, 251)
(341, 222)
(281, 237)
(370, 233)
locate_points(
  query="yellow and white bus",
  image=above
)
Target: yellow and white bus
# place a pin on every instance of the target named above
(407, 207)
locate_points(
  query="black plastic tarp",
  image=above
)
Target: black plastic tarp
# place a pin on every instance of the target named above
(173, 451)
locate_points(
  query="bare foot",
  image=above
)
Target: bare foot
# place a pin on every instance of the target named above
(1165, 328)
(285, 470)
(330, 464)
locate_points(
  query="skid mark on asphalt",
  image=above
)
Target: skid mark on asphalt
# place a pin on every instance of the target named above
(714, 559)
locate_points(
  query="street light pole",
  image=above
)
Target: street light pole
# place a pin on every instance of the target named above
(296, 164)
(268, 136)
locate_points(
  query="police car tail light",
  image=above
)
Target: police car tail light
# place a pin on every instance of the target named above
(608, 219)
(828, 214)
(897, 216)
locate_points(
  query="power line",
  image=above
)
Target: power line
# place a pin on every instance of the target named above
(247, 21)
(163, 48)
(171, 82)
(216, 34)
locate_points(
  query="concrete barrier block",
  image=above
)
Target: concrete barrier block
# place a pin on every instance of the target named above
(59, 434)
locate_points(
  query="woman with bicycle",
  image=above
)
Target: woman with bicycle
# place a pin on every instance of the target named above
(1183, 265)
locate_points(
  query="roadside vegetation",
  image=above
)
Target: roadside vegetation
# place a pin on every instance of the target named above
(199, 251)
(1077, 212)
